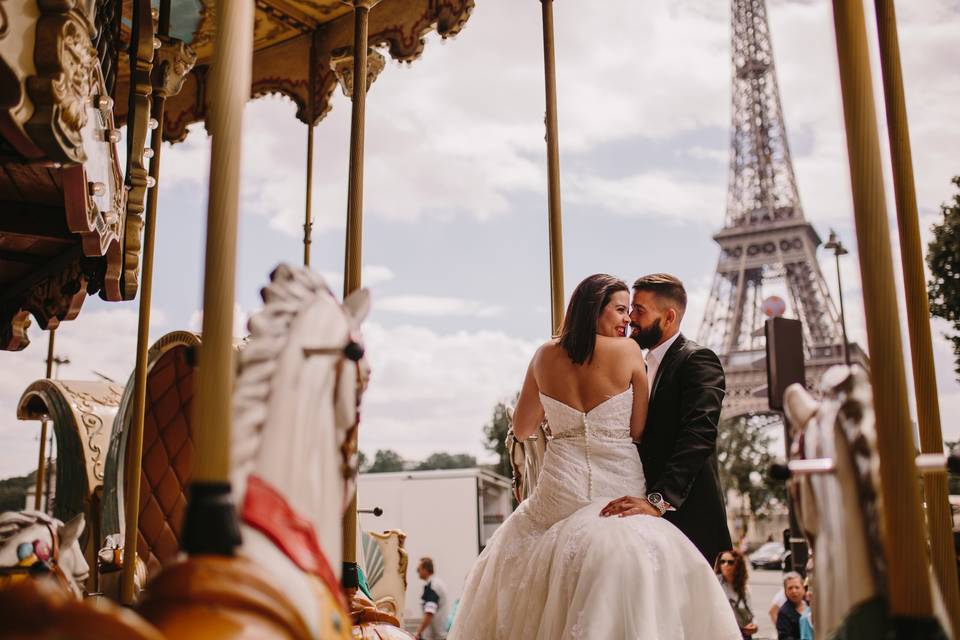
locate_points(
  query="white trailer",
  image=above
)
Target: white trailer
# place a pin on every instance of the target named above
(447, 515)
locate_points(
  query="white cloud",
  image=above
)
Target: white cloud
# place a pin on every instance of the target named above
(652, 194)
(437, 306)
(240, 319)
(433, 391)
(371, 276)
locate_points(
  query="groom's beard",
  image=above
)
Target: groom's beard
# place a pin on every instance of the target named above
(649, 337)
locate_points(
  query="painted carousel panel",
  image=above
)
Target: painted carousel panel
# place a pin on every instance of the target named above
(81, 412)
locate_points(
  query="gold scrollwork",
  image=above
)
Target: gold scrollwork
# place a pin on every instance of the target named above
(65, 60)
(173, 62)
(341, 61)
(138, 119)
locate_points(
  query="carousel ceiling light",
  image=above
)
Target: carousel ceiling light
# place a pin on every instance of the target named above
(151, 182)
(96, 188)
(103, 102)
(152, 124)
(147, 153)
(111, 135)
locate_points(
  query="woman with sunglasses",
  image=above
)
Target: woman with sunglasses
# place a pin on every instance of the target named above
(731, 570)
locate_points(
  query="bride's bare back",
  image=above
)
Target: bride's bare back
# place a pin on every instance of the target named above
(617, 363)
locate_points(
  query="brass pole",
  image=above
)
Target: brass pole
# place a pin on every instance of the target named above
(353, 257)
(908, 584)
(230, 89)
(308, 213)
(210, 524)
(134, 452)
(939, 519)
(553, 172)
(42, 463)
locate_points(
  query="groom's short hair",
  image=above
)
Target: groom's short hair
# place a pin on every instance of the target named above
(664, 286)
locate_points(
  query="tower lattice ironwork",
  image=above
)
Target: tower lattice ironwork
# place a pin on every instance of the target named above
(767, 247)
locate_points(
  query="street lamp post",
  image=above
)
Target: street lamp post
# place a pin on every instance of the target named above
(839, 250)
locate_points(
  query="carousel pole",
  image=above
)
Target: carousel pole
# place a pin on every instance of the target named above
(908, 586)
(210, 525)
(918, 308)
(308, 213)
(42, 463)
(134, 458)
(553, 171)
(354, 242)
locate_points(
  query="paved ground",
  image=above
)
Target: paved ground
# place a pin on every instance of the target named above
(763, 585)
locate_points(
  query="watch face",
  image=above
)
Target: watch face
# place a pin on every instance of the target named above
(655, 498)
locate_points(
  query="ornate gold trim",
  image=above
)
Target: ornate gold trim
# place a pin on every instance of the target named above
(138, 118)
(65, 60)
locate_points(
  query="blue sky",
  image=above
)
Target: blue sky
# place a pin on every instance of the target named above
(455, 228)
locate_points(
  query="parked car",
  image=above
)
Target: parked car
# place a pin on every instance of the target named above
(770, 556)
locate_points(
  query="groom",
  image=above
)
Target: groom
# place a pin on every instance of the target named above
(679, 444)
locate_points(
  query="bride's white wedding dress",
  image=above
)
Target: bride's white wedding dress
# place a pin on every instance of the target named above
(556, 570)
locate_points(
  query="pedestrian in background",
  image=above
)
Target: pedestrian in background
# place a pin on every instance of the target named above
(731, 570)
(788, 618)
(806, 618)
(434, 604)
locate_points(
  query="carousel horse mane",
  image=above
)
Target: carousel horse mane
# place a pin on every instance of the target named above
(839, 512)
(295, 404)
(29, 538)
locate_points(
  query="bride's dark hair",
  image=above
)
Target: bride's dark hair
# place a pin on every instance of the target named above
(578, 335)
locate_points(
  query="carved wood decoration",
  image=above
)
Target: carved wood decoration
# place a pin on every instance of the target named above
(342, 64)
(140, 89)
(52, 297)
(65, 60)
(283, 33)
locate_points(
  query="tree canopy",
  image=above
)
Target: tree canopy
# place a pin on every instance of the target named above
(744, 455)
(495, 433)
(442, 460)
(385, 460)
(943, 258)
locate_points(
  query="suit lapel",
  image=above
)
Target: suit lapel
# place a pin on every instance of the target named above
(669, 359)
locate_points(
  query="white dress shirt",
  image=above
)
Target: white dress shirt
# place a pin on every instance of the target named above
(655, 357)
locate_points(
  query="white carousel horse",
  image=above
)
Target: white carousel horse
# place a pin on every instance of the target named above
(295, 406)
(840, 512)
(526, 458)
(31, 540)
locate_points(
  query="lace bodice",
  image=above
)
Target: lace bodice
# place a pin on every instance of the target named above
(609, 419)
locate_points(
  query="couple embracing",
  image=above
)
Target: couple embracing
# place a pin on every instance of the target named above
(612, 544)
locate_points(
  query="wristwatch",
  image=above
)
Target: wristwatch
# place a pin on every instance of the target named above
(657, 501)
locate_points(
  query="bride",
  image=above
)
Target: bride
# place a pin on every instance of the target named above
(557, 568)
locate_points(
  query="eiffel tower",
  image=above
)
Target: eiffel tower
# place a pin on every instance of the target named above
(767, 247)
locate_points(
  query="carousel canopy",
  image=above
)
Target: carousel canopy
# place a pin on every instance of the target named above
(302, 49)
(71, 216)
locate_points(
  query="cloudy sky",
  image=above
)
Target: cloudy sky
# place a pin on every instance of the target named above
(455, 229)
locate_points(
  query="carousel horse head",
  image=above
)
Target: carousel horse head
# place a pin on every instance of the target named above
(839, 512)
(35, 544)
(295, 410)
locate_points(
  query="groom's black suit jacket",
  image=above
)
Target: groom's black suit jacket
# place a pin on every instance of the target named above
(679, 444)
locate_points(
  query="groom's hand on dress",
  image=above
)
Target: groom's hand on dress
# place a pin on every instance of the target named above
(629, 506)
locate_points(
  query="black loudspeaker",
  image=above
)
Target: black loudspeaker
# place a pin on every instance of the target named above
(784, 358)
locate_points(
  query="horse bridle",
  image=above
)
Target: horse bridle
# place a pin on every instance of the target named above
(38, 568)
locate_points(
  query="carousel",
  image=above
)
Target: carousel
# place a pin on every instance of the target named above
(183, 510)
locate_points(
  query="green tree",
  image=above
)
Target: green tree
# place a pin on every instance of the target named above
(943, 258)
(13, 491)
(443, 460)
(362, 461)
(743, 455)
(385, 460)
(495, 433)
